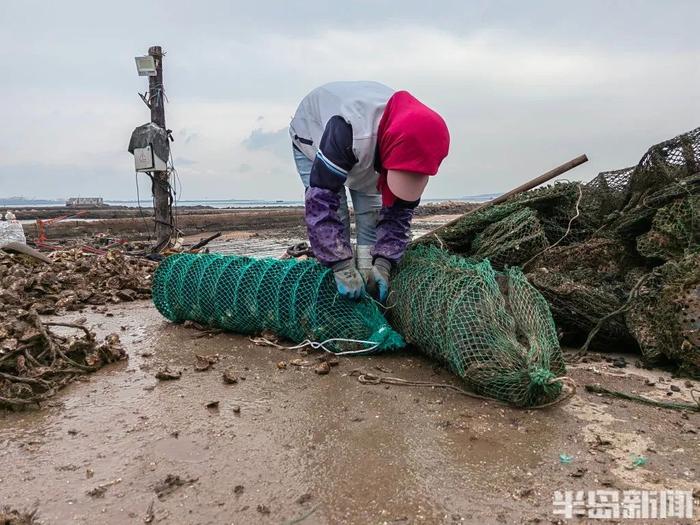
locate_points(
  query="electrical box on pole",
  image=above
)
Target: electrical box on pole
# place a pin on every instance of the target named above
(150, 145)
(146, 160)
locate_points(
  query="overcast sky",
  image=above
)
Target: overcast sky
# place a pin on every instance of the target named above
(523, 86)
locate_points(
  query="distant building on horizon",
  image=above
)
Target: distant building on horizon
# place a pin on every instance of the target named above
(84, 202)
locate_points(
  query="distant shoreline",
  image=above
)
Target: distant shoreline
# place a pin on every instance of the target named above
(133, 223)
(211, 204)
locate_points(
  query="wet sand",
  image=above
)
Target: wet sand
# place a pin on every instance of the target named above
(322, 449)
(132, 223)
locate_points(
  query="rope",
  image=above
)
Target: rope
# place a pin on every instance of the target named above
(381, 305)
(367, 378)
(597, 389)
(303, 517)
(320, 346)
(633, 293)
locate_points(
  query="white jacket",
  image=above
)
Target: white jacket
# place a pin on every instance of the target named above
(361, 104)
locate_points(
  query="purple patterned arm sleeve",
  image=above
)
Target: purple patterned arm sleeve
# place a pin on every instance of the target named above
(393, 233)
(326, 231)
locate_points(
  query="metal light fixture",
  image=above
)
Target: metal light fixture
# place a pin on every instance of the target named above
(146, 66)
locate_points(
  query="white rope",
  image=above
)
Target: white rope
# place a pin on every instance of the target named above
(316, 345)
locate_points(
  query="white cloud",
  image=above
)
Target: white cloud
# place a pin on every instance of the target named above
(517, 102)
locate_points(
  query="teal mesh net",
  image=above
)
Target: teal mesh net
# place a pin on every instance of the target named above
(294, 299)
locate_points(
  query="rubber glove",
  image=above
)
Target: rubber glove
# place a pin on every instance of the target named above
(378, 280)
(348, 280)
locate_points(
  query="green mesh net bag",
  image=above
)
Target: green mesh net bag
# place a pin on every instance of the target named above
(294, 299)
(511, 233)
(512, 240)
(492, 329)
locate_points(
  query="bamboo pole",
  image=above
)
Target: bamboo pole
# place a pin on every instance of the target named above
(545, 177)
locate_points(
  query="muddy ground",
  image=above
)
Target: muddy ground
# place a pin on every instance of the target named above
(286, 444)
(137, 227)
(135, 223)
(274, 243)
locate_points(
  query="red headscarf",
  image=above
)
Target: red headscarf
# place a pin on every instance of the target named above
(411, 137)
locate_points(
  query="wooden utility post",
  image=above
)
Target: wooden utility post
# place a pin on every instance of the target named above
(161, 187)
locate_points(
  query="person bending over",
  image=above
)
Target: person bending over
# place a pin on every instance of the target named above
(382, 145)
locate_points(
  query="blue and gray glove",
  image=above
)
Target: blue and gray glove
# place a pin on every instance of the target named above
(348, 280)
(378, 280)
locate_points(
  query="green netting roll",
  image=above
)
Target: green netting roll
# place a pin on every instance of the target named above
(294, 299)
(492, 329)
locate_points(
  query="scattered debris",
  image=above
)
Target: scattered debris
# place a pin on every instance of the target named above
(331, 359)
(99, 490)
(230, 376)
(322, 368)
(9, 516)
(565, 459)
(638, 461)
(304, 498)
(524, 493)
(66, 468)
(203, 242)
(597, 389)
(205, 362)
(205, 331)
(314, 509)
(618, 362)
(165, 374)
(36, 362)
(193, 324)
(150, 515)
(73, 280)
(170, 484)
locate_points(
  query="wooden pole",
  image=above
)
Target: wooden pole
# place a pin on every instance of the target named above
(161, 187)
(545, 177)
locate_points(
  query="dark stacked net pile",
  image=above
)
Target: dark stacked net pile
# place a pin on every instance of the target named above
(626, 243)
